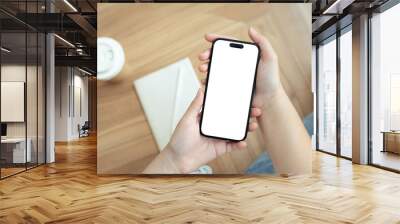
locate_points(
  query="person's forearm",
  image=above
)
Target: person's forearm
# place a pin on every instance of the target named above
(286, 139)
(164, 163)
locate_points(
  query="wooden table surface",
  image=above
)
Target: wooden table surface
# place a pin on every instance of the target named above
(156, 35)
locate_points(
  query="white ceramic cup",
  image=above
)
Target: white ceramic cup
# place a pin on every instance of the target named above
(110, 58)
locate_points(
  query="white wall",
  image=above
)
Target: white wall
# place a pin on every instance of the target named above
(12, 73)
(62, 82)
(82, 83)
(70, 83)
(33, 126)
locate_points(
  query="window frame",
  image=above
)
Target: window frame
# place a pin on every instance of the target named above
(381, 9)
(26, 30)
(336, 36)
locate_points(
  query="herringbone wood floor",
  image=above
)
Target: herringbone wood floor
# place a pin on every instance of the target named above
(69, 191)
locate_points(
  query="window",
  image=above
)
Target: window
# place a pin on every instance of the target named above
(346, 93)
(327, 96)
(385, 89)
(394, 102)
(22, 73)
(333, 137)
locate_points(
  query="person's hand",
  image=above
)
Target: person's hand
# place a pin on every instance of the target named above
(268, 84)
(291, 154)
(189, 150)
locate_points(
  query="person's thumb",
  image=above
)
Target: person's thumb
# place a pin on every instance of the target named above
(196, 104)
(267, 51)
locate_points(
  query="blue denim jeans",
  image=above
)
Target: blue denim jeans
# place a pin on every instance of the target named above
(263, 164)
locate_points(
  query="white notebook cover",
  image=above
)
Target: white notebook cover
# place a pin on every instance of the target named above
(165, 96)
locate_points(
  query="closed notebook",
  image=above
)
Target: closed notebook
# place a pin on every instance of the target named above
(165, 96)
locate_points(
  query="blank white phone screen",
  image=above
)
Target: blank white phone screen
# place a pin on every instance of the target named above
(229, 88)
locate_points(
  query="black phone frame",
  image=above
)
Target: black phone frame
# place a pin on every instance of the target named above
(252, 91)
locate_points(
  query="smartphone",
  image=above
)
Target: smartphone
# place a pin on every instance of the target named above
(229, 89)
